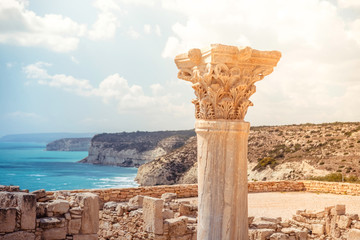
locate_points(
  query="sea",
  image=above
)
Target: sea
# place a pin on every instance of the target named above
(30, 166)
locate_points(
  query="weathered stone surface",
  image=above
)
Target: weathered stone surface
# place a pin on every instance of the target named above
(7, 219)
(176, 226)
(86, 237)
(74, 226)
(152, 215)
(344, 221)
(52, 222)
(354, 234)
(188, 210)
(168, 197)
(21, 235)
(260, 234)
(110, 205)
(279, 236)
(58, 206)
(167, 213)
(338, 210)
(90, 213)
(41, 193)
(54, 234)
(27, 205)
(25, 202)
(264, 224)
(41, 209)
(136, 202)
(318, 229)
(76, 210)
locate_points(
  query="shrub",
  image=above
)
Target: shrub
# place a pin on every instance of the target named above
(321, 163)
(266, 161)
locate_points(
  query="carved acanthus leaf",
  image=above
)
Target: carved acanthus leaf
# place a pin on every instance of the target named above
(224, 84)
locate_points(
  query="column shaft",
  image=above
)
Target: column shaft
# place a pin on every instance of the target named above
(222, 179)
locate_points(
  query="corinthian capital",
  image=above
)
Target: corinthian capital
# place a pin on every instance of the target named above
(223, 78)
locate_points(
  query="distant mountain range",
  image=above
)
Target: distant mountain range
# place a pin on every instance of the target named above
(43, 137)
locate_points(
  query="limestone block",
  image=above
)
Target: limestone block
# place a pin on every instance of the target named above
(136, 202)
(90, 213)
(353, 234)
(54, 234)
(110, 205)
(7, 219)
(338, 210)
(176, 226)
(279, 236)
(167, 213)
(41, 209)
(357, 225)
(274, 220)
(51, 222)
(264, 224)
(188, 210)
(39, 193)
(260, 234)
(344, 222)
(318, 229)
(59, 206)
(25, 202)
(21, 235)
(119, 209)
(85, 237)
(168, 197)
(76, 210)
(27, 205)
(74, 226)
(152, 214)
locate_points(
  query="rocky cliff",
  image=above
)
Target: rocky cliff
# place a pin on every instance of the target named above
(134, 149)
(275, 153)
(69, 144)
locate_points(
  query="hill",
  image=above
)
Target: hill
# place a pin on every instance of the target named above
(275, 153)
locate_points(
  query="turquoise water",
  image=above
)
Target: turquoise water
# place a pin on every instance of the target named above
(29, 166)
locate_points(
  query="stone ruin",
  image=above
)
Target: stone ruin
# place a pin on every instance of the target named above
(59, 215)
(149, 218)
(168, 218)
(39, 216)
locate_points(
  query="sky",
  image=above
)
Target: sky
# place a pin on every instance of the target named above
(108, 65)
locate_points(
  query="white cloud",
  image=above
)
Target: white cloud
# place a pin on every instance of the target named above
(132, 33)
(74, 60)
(9, 65)
(147, 28)
(354, 30)
(349, 3)
(23, 115)
(157, 30)
(114, 89)
(23, 27)
(317, 73)
(107, 21)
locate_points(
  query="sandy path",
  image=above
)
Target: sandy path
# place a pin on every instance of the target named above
(285, 204)
(278, 204)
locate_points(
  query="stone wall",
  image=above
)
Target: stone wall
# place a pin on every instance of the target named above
(124, 194)
(37, 216)
(182, 191)
(332, 187)
(279, 186)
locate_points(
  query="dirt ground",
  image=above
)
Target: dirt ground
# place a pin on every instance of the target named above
(284, 205)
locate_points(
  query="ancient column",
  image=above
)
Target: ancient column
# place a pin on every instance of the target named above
(223, 78)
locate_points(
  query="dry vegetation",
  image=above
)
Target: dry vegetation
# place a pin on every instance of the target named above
(334, 147)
